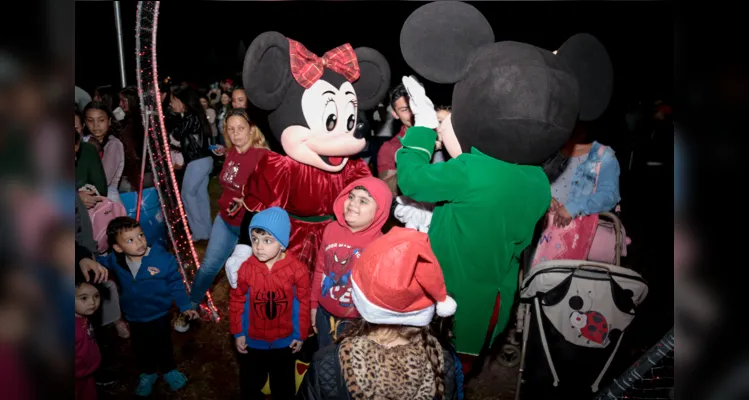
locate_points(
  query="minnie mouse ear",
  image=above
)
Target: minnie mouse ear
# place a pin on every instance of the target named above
(266, 72)
(437, 39)
(590, 62)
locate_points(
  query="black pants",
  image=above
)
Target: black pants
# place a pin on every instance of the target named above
(256, 365)
(152, 345)
(106, 340)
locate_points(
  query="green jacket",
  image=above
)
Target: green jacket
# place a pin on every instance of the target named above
(485, 216)
(88, 169)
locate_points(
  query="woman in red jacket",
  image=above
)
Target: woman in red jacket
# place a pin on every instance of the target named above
(248, 145)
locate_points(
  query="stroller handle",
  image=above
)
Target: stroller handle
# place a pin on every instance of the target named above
(583, 265)
(617, 231)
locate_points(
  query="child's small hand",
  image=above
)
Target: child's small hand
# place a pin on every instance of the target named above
(313, 318)
(554, 205)
(295, 345)
(562, 217)
(241, 345)
(191, 314)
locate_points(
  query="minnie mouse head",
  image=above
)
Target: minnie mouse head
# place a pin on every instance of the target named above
(512, 101)
(314, 101)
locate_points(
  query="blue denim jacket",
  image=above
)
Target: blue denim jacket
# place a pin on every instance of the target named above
(581, 199)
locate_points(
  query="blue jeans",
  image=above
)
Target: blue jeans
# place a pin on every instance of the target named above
(195, 197)
(326, 335)
(223, 239)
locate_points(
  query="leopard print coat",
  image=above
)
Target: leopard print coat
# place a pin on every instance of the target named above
(376, 372)
(373, 371)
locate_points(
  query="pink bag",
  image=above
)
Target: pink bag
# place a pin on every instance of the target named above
(603, 248)
(101, 214)
(571, 242)
(585, 238)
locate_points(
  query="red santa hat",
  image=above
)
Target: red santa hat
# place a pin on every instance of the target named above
(398, 281)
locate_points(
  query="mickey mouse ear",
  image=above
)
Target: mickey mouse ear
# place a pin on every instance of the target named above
(437, 39)
(590, 62)
(374, 79)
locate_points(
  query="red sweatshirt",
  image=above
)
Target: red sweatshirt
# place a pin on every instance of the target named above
(331, 285)
(87, 359)
(270, 307)
(236, 172)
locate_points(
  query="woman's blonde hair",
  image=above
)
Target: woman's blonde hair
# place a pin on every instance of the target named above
(427, 335)
(257, 139)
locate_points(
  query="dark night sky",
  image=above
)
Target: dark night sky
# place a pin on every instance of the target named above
(199, 41)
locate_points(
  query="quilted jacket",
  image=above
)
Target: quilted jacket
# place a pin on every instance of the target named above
(324, 379)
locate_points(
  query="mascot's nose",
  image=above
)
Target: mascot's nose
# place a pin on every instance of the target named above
(362, 127)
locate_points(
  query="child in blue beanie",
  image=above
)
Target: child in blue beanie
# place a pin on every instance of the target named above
(269, 312)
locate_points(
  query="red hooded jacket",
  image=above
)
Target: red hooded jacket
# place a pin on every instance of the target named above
(331, 284)
(270, 308)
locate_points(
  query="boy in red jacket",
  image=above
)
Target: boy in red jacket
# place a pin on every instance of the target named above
(361, 210)
(87, 355)
(269, 309)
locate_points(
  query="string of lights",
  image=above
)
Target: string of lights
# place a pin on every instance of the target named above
(650, 377)
(147, 17)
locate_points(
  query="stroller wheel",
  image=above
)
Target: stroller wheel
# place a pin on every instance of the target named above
(509, 356)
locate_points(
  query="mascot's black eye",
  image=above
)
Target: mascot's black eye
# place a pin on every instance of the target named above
(331, 122)
(351, 112)
(350, 122)
(330, 115)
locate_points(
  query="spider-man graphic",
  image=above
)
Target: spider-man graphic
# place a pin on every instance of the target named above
(336, 282)
(270, 305)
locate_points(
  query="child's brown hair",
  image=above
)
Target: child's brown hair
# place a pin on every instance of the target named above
(119, 225)
(364, 189)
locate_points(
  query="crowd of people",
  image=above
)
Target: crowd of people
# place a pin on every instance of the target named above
(362, 210)
(308, 238)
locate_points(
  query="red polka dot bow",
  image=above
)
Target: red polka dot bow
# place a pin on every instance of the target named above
(307, 68)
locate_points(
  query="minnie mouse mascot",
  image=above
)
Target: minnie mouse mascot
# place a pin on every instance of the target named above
(313, 103)
(513, 106)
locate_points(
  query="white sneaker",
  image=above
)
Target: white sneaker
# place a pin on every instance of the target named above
(180, 324)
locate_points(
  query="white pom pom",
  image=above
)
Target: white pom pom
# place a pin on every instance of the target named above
(446, 308)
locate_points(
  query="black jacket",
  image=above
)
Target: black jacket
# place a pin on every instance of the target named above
(324, 379)
(193, 140)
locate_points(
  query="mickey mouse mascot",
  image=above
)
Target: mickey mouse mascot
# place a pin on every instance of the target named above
(513, 106)
(313, 103)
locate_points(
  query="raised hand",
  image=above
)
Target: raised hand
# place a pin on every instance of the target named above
(421, 106)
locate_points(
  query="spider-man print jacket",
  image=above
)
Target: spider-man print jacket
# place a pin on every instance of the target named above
(270, 307)
(341, 247)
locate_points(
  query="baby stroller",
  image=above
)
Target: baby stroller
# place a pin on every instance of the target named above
(574, 314)
(607, 248)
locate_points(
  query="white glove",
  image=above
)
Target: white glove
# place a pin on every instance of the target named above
(241, 253)
(421, 107)
(413, 214)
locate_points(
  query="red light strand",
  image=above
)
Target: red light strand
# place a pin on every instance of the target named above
(158, 146)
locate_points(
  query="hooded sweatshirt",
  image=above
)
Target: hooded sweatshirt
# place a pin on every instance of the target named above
(331, 284)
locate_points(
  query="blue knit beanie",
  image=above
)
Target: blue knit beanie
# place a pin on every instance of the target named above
(274, 220)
